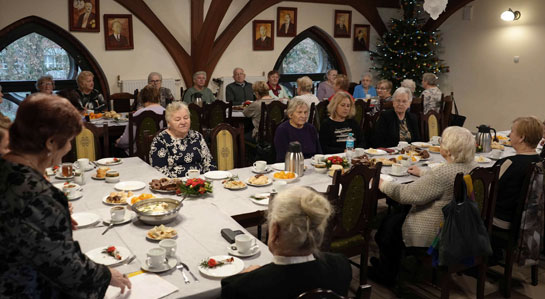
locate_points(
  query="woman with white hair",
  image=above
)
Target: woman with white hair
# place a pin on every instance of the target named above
(198, 90)
(426, 198)
(178, 149)
(365, 90)
(91, 98)
(304, 91)
(410, 84)
(156, 80)
(297, 220)
(431, 96)
(45, 84)
(297, 129)
(398, 124)
(326, 88)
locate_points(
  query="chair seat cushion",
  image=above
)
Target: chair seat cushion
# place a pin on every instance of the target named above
(344, 244)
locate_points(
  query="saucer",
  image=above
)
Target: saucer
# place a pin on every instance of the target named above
(252, 252)
(59, 175)
(171, 263)
(75, 195)
(128, 217)
(267, 170)
(405, 173)
(89, 167)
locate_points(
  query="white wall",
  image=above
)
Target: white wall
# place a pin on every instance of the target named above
(488, 86)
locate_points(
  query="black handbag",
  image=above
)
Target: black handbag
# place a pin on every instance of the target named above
(456, 119)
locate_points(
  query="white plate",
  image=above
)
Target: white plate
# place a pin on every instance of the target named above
(98, 257)
(75, 195)
(218, 175)
(115, 204)
(86, 219)
(421, 144)
(278, 166)
(61, 177)
(375, 152)
(236, 188)
(171, 263)
(267, 170)
(49, 171)
(89, 167)
(61, 185)
(94, 177)
(261, 202)
(269, 181)
(108, 162)
(482, 159)
(286, 180)
(129, 215)
(405, 173)
(159, 240)
(252, 252)
(130, 186)
(223, 271)
(387, 178)
(162, 191)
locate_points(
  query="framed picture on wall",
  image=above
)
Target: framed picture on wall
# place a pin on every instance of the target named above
(263, 35)
(118, 32)
(286, 19)
(343, 22)
(84, 15)
(361, 37)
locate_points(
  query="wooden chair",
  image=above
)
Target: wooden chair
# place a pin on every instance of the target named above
(228, 146)
(121, 102)
(509, 239)
(196, 116)
(321, 114)
(416, 106)
(349, 232)
(446, 110)
(272, 115)
(217, 112)
(87, 143)
(364, 292)
(311, 113)
(430, 125)
(147, 123)
(360, 112)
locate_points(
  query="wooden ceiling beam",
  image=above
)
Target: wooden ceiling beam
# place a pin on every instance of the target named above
(452, 7)
(196, 17)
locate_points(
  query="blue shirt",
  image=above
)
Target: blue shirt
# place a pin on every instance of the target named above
(359, 93)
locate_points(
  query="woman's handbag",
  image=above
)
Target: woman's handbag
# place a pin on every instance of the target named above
(456, 119)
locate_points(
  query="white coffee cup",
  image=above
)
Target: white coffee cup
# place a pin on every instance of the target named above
(83, 164)
(397, 169)
(156, 257)
(406, 162)
(117, 214)
(192, 174)
(318, 158)
(359, 151)
(244, 243)
(496, 154)
(260, 165)
(170, 247)
(402, 144)
(367, 96)
(435, 140)
(278, 186)
(69, 189)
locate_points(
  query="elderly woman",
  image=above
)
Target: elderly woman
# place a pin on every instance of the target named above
(261, 92)
(297, 220)
(90, 98)
(276, 91)
(5, 123)
(178, 149)
(45, 84)
(410, 84)
(398, 124)
(341, 84)
(156, 80)
(384, 92)
(296, 129)
(526, 132)
(41, 257)
(198, 90)
(150, 96)
(431, 96)
(304, 91)
(325, 89)
(426, 196)
(365, 90)
(335, 129)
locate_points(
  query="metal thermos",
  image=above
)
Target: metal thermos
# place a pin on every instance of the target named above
(484, 138)
(295, 162)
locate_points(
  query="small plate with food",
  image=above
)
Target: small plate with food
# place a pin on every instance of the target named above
(421, 144)
(261, 199)
(101, 173)
(117, 198)
(286, 176)
(161, 232)
(435, 149)
(109, 161)
(375, 152)
(221, 266)
(164, 185)
(385, 161)
(234, 185)
(259, 180)
(109, 255)
(482, 159)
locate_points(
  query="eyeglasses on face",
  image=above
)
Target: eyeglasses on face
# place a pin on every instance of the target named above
(155, 81)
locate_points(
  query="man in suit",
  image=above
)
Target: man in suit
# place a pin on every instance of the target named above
(263, 41)
(287, 28)
(87, 18)
(239, 91)
(360, 42)
(116, 39)
(340, 27)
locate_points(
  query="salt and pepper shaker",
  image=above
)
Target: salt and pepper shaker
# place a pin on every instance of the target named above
(79, 178)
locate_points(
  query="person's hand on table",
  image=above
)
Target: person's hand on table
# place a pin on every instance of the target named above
(119, 280)
(380, 183)
(250, 268)
(74, 223)
(414, 170)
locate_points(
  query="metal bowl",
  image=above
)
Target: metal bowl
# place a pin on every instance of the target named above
(164, 216)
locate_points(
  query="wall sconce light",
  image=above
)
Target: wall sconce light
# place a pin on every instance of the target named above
(510, 15)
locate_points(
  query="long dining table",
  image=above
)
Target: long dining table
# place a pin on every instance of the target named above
(198, 223)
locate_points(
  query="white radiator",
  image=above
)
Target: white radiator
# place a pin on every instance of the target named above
(229, 80)
(130, 85)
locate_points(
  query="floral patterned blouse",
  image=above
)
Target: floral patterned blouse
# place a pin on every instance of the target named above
(38, 256)
(175, 156)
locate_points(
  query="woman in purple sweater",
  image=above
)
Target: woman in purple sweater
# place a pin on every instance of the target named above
(297, 129)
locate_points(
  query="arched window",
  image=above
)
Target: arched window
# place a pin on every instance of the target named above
(312, 53)
(33, 47)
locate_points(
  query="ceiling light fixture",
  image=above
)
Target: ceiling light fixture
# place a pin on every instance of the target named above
(510, 15)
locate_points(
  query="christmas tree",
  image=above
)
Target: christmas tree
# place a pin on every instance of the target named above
(406, 51)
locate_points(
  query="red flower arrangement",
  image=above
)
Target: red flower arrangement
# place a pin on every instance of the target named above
(246, 103)
(336, 160)
(194, 187)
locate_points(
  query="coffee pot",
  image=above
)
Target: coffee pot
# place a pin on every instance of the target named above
(484, 138)
(295, 161)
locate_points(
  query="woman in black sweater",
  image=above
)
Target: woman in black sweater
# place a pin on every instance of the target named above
(397, 124)
(335, 128)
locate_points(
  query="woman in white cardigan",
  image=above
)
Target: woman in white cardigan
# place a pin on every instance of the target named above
(425, 197)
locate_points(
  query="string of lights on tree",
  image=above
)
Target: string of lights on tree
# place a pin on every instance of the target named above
(407, 51)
